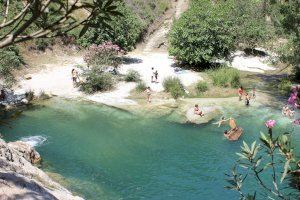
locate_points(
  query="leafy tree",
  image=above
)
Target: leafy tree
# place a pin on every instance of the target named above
(31, 19)
(202, 34)
(210, 31)
(260, 161)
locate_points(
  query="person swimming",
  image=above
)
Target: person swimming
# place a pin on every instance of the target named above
(197, 111)
(221, 121)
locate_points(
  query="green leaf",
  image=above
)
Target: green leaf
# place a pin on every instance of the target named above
(286, 168)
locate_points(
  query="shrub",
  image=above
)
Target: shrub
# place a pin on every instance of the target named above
(141, 86)
(10, 59)
(174, 86)
(285, 86)
(201, 87)
(225, 77)
(104, 55)
(132, 76)
(97, 81)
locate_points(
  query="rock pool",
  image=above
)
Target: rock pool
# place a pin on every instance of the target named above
(106, 153)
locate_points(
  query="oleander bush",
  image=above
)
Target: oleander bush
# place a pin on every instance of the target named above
(104, 55)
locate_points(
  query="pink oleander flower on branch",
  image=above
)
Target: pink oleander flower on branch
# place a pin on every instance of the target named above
(106, 54)
(270, 123)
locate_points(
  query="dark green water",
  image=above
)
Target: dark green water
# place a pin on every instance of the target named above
(105, 153)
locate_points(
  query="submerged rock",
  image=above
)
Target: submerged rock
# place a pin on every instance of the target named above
(19, 179)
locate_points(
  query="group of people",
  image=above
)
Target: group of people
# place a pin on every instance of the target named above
(242, 92)
(154, 75)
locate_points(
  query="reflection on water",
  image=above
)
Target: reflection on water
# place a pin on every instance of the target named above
(109, 154)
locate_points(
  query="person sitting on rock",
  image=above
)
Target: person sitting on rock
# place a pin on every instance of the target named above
(2, 95)
(197, 111)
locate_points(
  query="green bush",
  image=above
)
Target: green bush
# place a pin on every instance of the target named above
(201, 87)
(10, 59)
(225, 77)
(141, 86)
(285, 86)
(174, 86)
(132, 76)
(96, 81)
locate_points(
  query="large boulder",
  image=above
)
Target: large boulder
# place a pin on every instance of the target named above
(210, 112)
(26, 151)
(19, 179)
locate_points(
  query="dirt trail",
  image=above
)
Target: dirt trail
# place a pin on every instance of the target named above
(157, 41)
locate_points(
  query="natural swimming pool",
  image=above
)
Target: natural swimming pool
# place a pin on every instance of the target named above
(105, 153)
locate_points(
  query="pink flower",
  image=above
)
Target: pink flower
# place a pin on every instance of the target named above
(270, 123)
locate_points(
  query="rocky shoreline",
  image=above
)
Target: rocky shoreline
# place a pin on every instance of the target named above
(20, 179)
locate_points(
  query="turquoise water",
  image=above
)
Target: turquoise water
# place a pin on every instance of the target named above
(105, 153)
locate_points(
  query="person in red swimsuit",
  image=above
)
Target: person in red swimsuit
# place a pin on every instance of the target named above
(240, 92)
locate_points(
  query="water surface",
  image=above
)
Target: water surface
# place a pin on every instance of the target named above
(105, 153)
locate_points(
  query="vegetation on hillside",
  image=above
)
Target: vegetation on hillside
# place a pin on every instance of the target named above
(128, 30)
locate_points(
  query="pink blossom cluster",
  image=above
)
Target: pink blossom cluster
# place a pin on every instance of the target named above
(105, 49)
(294, 98)
(270, 123)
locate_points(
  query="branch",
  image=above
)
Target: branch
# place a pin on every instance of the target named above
(6, 11)
(23, 11)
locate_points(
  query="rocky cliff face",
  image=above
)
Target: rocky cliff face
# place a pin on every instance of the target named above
(19, 179)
